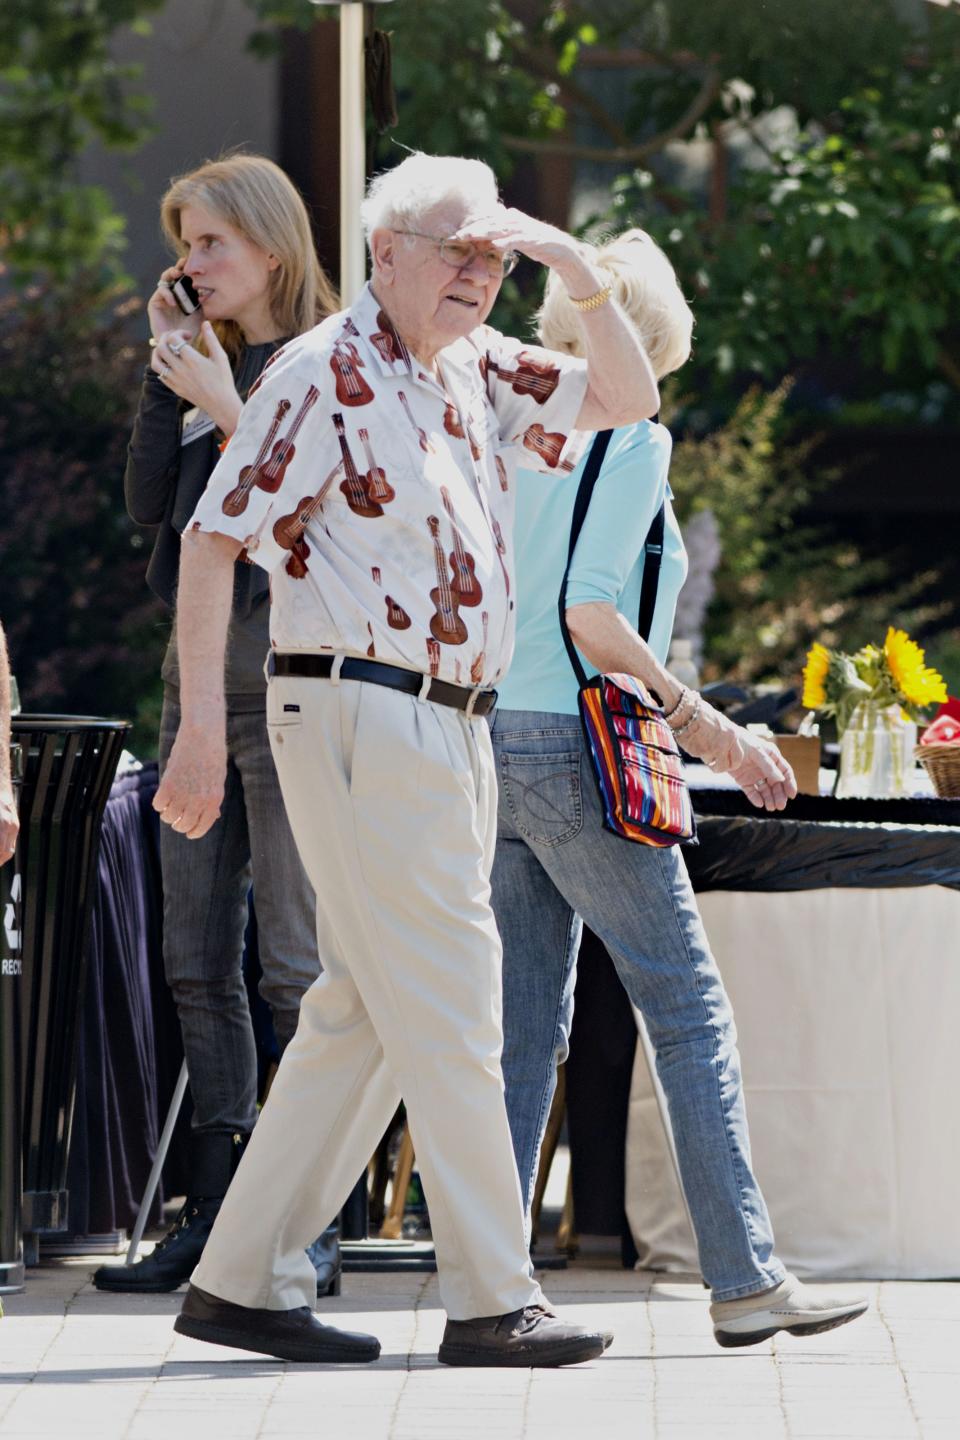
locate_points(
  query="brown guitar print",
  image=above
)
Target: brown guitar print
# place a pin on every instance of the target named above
(289, 529)
(375, 479)
(375, 572)
(501, 551)
(465, 584)
(451, 421)
(236, 502)
(476, 669)
(397, 617)
(548, 443)
(371, 648)
(346, 365)
(353, 487)
(388, 342)
(425, 445)
(453, 426)
(269, 476)
(531, 377)
(501, 473)
(445, 624)
(433, 656)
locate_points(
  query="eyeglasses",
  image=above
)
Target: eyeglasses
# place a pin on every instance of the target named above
(460, 253)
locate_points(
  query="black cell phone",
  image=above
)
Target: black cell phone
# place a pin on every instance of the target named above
(185, 294)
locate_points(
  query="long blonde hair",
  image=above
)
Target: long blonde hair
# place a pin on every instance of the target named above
(254, 195)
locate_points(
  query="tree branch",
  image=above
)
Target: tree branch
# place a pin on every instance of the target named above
(545, 64)
(626, 154)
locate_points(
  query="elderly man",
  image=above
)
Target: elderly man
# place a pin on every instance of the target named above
(372, 475)
(9, 823)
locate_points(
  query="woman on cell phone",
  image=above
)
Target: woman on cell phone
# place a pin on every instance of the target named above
(248, 274)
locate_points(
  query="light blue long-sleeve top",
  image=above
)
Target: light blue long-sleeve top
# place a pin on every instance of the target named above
(607, 563)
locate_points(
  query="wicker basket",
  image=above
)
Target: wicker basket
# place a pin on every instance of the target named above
(942, 764)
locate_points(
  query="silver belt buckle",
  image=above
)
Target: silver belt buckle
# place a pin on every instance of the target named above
(471, 704)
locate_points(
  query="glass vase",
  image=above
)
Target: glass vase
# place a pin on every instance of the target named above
(876, 753)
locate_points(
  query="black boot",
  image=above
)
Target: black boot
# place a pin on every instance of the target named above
(325, 1254)
(214, 1156)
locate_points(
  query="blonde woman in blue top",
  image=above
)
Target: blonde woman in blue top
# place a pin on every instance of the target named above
(555, 863)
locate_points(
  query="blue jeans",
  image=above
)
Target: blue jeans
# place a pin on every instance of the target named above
(554, 864)
(206, 884)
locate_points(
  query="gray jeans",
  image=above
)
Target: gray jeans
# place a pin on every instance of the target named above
(555, 863)
(206, 884)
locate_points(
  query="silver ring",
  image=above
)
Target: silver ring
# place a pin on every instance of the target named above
(175, 349)
(759, 784)
(164, 369)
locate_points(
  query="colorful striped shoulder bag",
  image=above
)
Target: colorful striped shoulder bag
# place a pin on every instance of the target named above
(638, 769)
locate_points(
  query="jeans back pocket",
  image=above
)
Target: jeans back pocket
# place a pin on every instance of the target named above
(543, 796)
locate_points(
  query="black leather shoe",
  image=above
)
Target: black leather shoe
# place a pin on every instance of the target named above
(214, 1156)
(174, 1258)
(529, 1337)
(287, 1334)
(324, 1254)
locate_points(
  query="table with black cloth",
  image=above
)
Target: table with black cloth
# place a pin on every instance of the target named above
(836, 926)
(838, 941)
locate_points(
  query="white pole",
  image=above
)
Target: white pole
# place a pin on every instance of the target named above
(153, 1180)
(353, 257)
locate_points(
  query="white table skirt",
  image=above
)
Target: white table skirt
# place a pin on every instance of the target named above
(848, 1013)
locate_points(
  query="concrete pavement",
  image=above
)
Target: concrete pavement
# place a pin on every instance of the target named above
(77, 1363)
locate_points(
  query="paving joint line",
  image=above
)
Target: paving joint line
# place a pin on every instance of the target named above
(395, 1413)
(67, 1305)
(896, 1360)
(148, 1388)
(781, 1397)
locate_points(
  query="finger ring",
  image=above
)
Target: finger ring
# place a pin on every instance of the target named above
(175, 349)
(164, 369)
(759, 784)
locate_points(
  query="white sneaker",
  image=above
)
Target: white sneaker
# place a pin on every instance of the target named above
(790, 1306)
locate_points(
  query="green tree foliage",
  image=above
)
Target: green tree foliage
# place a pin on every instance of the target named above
(82, 626)
(780, 583)
(60, 88)
(842, 243)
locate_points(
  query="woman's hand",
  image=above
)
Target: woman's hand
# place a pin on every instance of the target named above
(163, 311)
(203, 380)
(755, 764)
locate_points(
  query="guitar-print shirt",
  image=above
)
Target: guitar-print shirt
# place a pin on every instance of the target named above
(380, 499)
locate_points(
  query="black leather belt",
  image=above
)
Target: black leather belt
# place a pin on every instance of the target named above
(441, 692)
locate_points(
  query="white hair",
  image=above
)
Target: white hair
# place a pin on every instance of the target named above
(398, 199)
(646, 288)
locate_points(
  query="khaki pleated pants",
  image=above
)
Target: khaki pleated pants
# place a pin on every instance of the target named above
(392, 801)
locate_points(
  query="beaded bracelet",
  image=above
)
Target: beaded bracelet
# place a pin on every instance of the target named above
(684, 693)
(679, 729)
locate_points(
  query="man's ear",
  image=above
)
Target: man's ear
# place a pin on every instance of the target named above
(383, 244)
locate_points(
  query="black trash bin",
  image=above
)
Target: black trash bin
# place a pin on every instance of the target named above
(11, 984)
(68, 765)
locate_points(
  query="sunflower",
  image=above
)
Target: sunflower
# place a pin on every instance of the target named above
(814, 677)
(914, 681)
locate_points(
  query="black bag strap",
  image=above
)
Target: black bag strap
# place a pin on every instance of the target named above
(653, 552)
